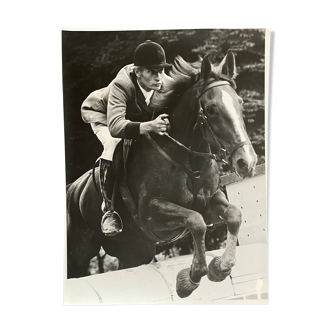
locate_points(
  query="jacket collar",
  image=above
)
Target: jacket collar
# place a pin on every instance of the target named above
(128, 77)
(147, 95)
(139, 94)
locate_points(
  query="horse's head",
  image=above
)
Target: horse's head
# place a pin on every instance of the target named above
(220, 116)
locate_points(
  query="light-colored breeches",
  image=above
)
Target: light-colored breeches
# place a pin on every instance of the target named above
(104, 136)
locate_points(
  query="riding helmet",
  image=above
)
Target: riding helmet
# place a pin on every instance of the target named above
(150, 55)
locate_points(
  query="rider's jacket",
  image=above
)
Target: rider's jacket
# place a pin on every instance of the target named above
(121, 106)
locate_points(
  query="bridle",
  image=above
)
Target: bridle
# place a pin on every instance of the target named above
(203, 120)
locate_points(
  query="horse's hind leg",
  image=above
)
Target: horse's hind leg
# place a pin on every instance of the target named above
(83, 242)
(82, 245)
(220, 267)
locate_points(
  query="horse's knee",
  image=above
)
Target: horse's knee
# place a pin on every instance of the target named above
(196, 223)
(233, 217)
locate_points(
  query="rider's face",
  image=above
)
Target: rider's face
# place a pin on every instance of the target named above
(150, 79)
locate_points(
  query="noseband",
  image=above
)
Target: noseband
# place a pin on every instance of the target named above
(202, 121)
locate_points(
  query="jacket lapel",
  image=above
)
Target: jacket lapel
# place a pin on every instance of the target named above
(139, 95)
(141, 100)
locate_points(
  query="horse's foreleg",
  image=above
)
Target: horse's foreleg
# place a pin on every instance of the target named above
(220, 267)
(166, 216)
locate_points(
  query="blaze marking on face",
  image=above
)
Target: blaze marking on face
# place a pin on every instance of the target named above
(250, 155)
(229, 104)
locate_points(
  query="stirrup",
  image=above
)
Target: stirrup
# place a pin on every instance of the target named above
(115, 224)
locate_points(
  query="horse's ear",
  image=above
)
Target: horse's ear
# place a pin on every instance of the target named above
(228, 66)
(205, 68)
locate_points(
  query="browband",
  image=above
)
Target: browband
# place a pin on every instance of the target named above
(211, 85)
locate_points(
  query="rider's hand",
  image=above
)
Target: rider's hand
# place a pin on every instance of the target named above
(159, 124)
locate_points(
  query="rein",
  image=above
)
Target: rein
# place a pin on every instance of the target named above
(194, 174)
(202, 120)
(216, 157)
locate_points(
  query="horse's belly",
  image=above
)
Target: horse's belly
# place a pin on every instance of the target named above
(170, 236)
(185, 198)
(182, 192)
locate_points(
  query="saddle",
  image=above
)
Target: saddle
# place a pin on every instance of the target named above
(120, 160)
(120, 157)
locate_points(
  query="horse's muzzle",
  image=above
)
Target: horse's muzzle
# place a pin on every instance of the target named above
(244, 161)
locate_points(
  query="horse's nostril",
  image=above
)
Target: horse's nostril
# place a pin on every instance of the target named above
(241, 163)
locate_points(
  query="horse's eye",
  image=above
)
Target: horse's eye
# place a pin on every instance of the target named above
(209, 110)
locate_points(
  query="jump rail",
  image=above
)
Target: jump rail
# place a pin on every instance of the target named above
(155, 283)
(250, 196)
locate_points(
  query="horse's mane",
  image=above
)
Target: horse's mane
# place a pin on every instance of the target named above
(182, 76)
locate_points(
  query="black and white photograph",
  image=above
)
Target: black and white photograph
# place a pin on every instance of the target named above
(165, 151)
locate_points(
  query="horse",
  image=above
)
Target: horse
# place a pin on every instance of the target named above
(172, 179)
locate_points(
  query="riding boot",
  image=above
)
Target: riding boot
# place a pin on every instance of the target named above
(110, 222)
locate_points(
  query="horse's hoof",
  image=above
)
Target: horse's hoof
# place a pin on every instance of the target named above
(184, 285)
(216, 274)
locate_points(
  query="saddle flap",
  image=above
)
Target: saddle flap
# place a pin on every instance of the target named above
(120, 156)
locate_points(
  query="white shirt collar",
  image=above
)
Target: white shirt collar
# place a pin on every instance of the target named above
(147, 95)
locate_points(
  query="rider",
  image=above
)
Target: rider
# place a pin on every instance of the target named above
(121, 110)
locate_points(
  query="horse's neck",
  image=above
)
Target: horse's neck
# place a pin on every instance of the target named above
(183, 120)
